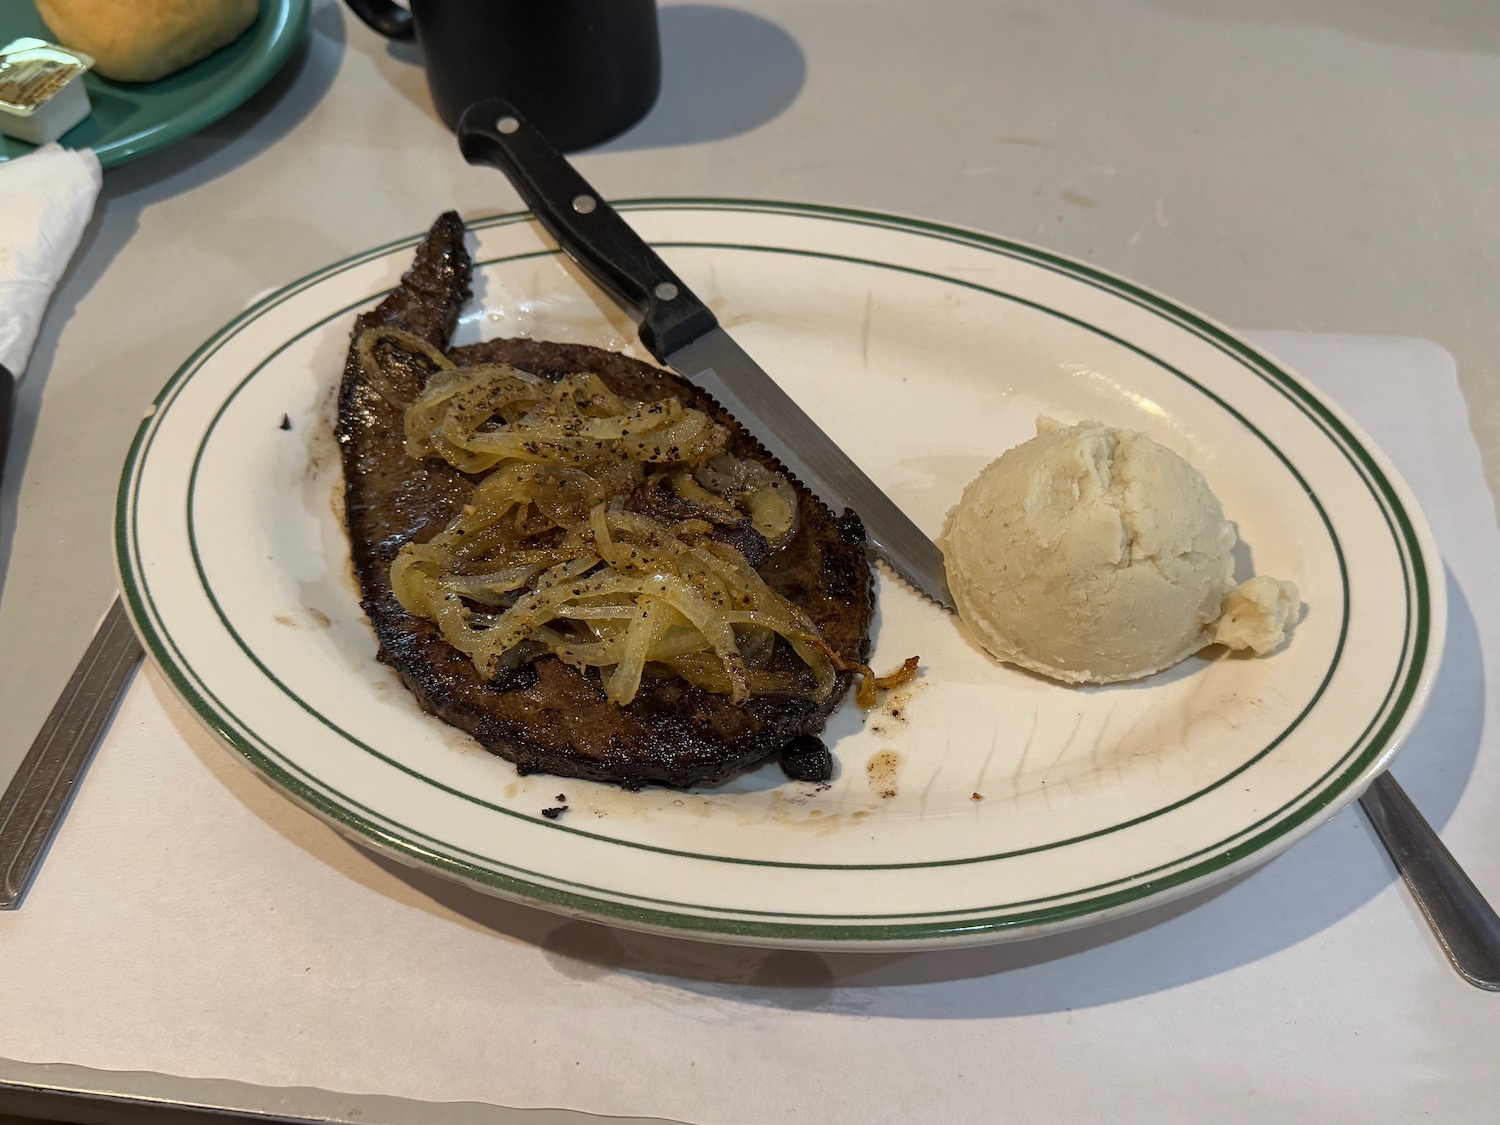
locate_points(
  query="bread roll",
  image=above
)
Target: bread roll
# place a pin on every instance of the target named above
(143, 40)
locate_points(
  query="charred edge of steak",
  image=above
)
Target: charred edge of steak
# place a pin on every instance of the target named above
(806, 758)
(549, 716)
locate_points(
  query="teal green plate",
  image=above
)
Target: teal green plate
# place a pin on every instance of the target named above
(132, 119)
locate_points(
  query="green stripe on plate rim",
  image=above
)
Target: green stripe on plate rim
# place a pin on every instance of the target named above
(1233, 850)
(351, 306)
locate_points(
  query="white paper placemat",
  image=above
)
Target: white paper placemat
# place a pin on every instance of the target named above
(193, 922)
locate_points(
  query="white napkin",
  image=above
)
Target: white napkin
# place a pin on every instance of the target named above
(46, 199)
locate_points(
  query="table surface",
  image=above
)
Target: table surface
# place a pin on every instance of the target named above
(1320, 165)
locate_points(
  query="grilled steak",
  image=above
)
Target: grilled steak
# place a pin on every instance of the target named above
(548, 716)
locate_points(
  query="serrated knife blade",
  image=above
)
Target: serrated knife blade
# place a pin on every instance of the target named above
(683, 333)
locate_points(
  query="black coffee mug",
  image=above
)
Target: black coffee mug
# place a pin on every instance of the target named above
(582, 71)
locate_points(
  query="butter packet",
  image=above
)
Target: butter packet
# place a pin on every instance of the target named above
(41, 90)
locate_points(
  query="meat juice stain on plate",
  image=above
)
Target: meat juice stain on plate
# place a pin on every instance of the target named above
(881, 770)
(892, 720)
(795, 806)
(315, 431)
(315, 619)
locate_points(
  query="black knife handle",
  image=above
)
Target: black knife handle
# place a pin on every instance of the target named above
(592, 232)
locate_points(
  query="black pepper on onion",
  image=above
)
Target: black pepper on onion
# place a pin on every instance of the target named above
(551, 555)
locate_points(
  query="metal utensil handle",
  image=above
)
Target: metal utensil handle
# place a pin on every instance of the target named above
(32, 806)
(7, 413)
(593, 234)
(1465, 924)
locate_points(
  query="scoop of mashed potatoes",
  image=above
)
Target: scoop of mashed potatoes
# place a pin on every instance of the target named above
(1093, 555)
(143, 40)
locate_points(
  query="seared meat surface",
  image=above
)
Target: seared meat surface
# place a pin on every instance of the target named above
(548, 716)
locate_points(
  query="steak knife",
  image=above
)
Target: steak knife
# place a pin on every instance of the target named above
(683, 333)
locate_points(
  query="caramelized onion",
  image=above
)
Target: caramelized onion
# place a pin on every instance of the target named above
(549, 557)
(379, 378)
(768, 497)
(478, 417)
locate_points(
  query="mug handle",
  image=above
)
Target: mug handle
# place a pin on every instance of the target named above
(391, 20)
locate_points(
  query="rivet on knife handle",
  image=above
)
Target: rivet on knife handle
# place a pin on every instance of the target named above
(670, 316)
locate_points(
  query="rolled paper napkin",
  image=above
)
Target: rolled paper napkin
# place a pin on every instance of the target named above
(46, 199)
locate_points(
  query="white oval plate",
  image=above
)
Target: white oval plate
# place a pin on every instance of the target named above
(981, 804)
